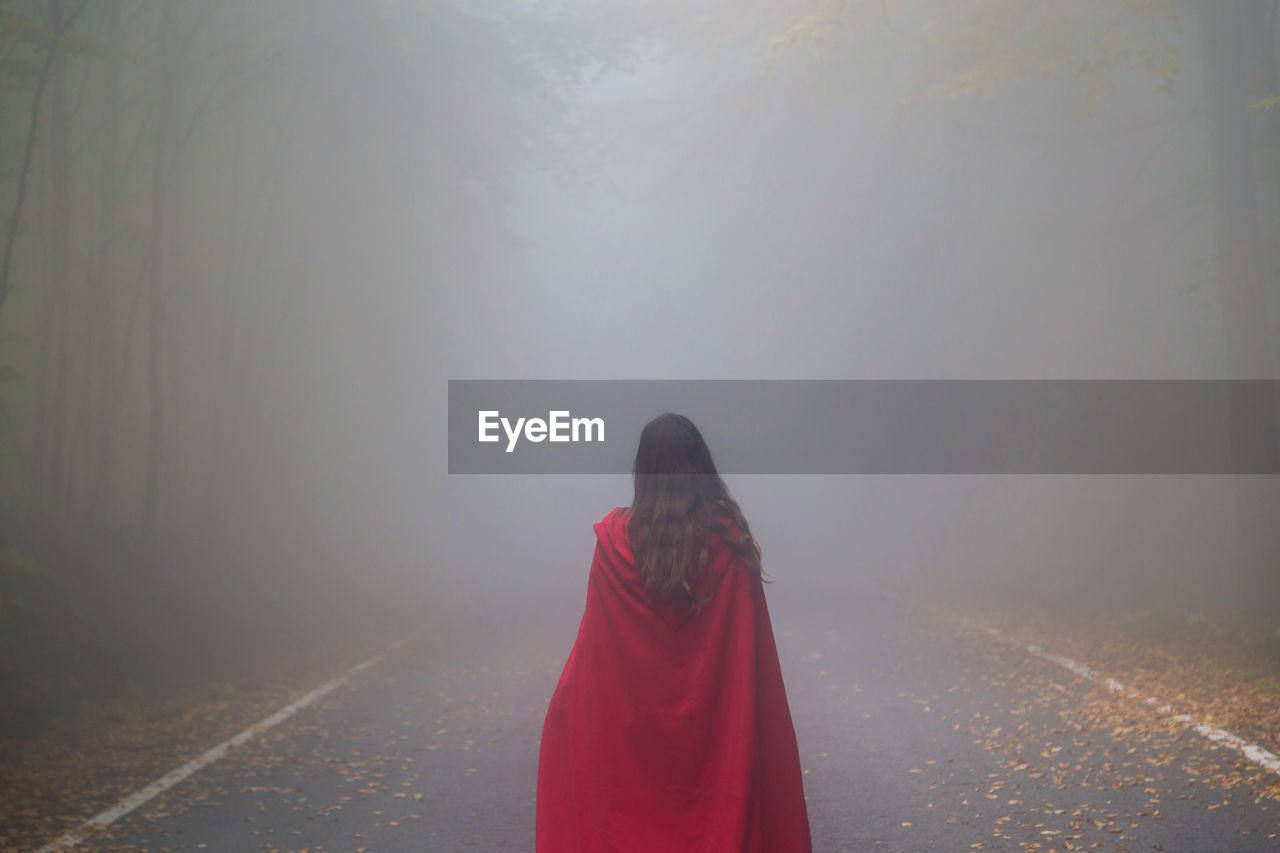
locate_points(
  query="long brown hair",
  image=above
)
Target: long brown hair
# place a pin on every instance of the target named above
(679, 500)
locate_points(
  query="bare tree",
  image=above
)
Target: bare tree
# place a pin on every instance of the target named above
(160, 170)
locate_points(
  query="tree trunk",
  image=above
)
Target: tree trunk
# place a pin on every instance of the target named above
(60, 247)
(1248, 345)
(39, 481)
(155, 272)
(224, 414)
(101, 374)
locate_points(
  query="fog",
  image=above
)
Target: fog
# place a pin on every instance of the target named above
(251, 243)
(813, 220)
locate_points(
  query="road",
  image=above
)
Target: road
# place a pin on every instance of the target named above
(915, 734)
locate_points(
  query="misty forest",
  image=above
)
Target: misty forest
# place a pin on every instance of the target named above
(245, 245)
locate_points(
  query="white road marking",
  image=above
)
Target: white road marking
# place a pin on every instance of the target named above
(173, 777)
(1256, 754)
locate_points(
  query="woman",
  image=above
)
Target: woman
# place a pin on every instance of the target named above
(669, 730)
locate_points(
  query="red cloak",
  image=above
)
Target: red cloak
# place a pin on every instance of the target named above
(668, 732)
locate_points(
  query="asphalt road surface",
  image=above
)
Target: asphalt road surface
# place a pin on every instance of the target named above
(916, 734)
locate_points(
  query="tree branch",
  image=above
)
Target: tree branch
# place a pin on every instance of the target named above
(7, 263)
